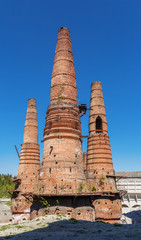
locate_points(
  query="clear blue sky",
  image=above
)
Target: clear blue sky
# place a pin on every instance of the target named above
(106, 42)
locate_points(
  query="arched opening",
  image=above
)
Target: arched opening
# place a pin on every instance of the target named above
(136, 206)
(124, 206)
(99, 124)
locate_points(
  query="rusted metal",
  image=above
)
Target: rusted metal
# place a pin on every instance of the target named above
(17, 152)
(82, 109)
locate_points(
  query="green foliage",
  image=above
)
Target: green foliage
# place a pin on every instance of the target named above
(57, 201)
(29, 200)
(59, 96)
(81, 187)
(44, 202)
(94, 188)
(5, 185)
(102, 179)
(8, 203)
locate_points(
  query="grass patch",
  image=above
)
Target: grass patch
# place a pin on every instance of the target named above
(3, 228)
(19, 227)
(8, 203)
(60, 217)
(39, 223)
(43, 226)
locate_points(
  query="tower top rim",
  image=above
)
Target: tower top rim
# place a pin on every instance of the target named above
(96, 82)
(63, 28)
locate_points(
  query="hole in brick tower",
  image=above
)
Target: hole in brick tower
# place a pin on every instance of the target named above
(98, 124)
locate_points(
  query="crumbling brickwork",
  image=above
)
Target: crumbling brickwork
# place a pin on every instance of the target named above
(67, 181)
(100, 172)
(62, 164)
(27, 179)
(99, 158)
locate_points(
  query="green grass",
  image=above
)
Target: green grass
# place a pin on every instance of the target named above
(19, 227)
(43, 226)
(39, 223)
(3, 228)
(8, 203)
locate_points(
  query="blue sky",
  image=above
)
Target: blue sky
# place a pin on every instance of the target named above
(106, 42)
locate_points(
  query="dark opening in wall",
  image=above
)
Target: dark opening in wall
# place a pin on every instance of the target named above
(99, 124)
(51, 148)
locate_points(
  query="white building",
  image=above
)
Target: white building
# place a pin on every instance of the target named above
(131, 201)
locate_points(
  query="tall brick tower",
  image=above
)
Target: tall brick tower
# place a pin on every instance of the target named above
(62, 163)
(30, 156)
(100, 173)
(27, 180)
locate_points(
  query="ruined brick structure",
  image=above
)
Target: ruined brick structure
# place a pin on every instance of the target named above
(29, 165)
(67, 181)
(99, 168)
(62, 151)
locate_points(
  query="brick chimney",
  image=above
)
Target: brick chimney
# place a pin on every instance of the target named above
(30, 155)
(100, 173)
(62, 163)
(99, 159)
(63, 81)
(27, 179)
